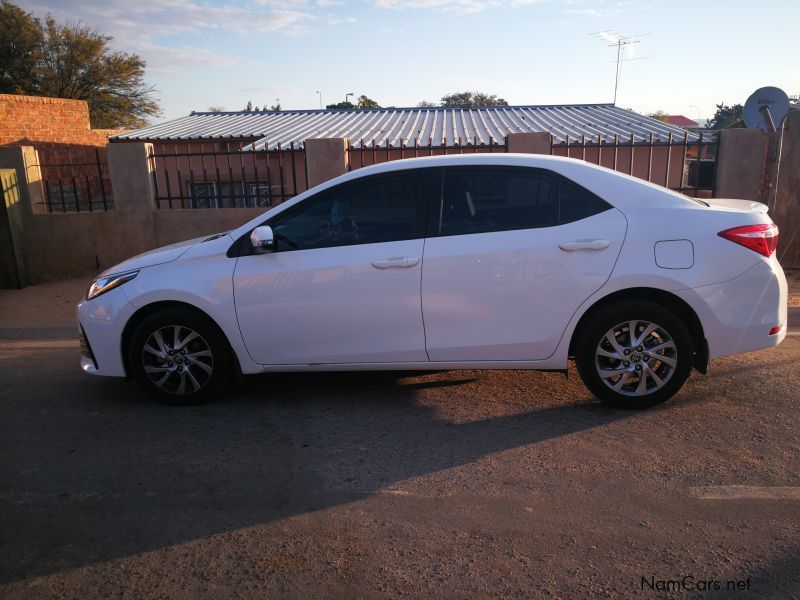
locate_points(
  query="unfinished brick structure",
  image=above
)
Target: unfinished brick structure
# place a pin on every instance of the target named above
(54, 126)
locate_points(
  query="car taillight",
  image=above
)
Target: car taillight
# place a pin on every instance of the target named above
(762, 238)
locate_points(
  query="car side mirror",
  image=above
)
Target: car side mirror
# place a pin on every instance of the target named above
(262, 238)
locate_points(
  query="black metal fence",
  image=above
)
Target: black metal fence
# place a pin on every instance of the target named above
(680, 164)
(79, 181)
(232, 175)
(196, 175)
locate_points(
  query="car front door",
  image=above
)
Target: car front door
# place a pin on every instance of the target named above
(512, 255)
(343, 282)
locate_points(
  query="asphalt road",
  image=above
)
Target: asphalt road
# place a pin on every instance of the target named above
(451, 484)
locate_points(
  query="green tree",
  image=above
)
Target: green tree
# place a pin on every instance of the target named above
(216, 108)
(659, 115)
(726, 116)
(427, 104)
(74, 61)
(365, 102)
(362, 103)
(471, 100)
(341, 106)
(21, 40)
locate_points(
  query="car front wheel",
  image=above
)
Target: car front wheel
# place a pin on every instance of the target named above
(180, 356)
(634, 354)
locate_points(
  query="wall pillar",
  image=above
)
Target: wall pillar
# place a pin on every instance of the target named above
(740, 163)
(529, 143)
(20, 195)
(131, 176)
(326, 158)
(784, 199)
(13, 262)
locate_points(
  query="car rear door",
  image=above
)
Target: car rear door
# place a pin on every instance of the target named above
(343, 284)
(512, 252)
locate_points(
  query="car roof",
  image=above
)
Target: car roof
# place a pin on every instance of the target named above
(483, 158)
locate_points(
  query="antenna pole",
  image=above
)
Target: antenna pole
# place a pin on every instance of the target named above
(616, 80)
(621, 42)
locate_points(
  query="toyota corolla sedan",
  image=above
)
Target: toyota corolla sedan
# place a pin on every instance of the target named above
(456, 262)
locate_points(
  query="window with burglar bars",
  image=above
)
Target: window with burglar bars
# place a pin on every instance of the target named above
(198, 176)
(230, 194)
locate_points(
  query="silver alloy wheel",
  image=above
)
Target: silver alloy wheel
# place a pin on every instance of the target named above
(636, 358)
(177, 360)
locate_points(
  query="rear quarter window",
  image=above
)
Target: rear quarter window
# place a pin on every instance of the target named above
(576, 202)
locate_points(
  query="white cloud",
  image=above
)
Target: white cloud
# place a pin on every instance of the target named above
(143, 27)
(461, 6)
(334, 20)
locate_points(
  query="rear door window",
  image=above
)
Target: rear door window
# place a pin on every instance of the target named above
(484, 199)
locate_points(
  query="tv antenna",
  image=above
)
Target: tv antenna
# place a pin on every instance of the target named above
(622, 43)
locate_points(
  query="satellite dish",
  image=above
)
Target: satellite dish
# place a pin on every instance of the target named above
(755, 115)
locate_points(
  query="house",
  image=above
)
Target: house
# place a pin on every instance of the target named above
(232, 159)
(681, 121)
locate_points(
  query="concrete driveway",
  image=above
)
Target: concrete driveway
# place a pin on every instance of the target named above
(457, 484)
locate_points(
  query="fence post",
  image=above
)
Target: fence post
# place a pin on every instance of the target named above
(529, 143)
(326, 158)
(740, 163)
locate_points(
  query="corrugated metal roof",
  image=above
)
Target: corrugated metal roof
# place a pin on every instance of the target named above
(396, 126)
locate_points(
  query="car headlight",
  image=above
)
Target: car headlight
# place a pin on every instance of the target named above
(101, 285)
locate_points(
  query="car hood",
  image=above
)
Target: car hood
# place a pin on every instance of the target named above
(151, 258)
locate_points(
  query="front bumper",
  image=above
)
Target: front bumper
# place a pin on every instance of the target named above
(102, 321)
(737, 315)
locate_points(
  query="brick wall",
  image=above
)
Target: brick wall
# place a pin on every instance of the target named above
(54, 126)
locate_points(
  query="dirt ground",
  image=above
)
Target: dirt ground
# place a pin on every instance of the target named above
(42, 306)
(397, 485)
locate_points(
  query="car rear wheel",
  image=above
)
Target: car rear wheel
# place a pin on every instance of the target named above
(180, 357)
(634, 354)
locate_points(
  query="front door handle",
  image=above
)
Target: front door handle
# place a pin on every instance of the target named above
(584, 245)
(398, 262)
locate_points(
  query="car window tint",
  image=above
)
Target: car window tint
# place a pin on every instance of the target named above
(478, 200)
(378, 209)
(578, 203)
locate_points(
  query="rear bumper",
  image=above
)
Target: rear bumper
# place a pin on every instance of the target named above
(737, 315)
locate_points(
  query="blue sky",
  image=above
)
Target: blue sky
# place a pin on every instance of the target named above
(203, 53)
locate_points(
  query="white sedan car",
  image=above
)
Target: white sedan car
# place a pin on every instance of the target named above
(457, 262)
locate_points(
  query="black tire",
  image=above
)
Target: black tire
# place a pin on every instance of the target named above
(193, 357)
(593, 350)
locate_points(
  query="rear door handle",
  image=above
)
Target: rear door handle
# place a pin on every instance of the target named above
(398, 262)
(584, 245)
